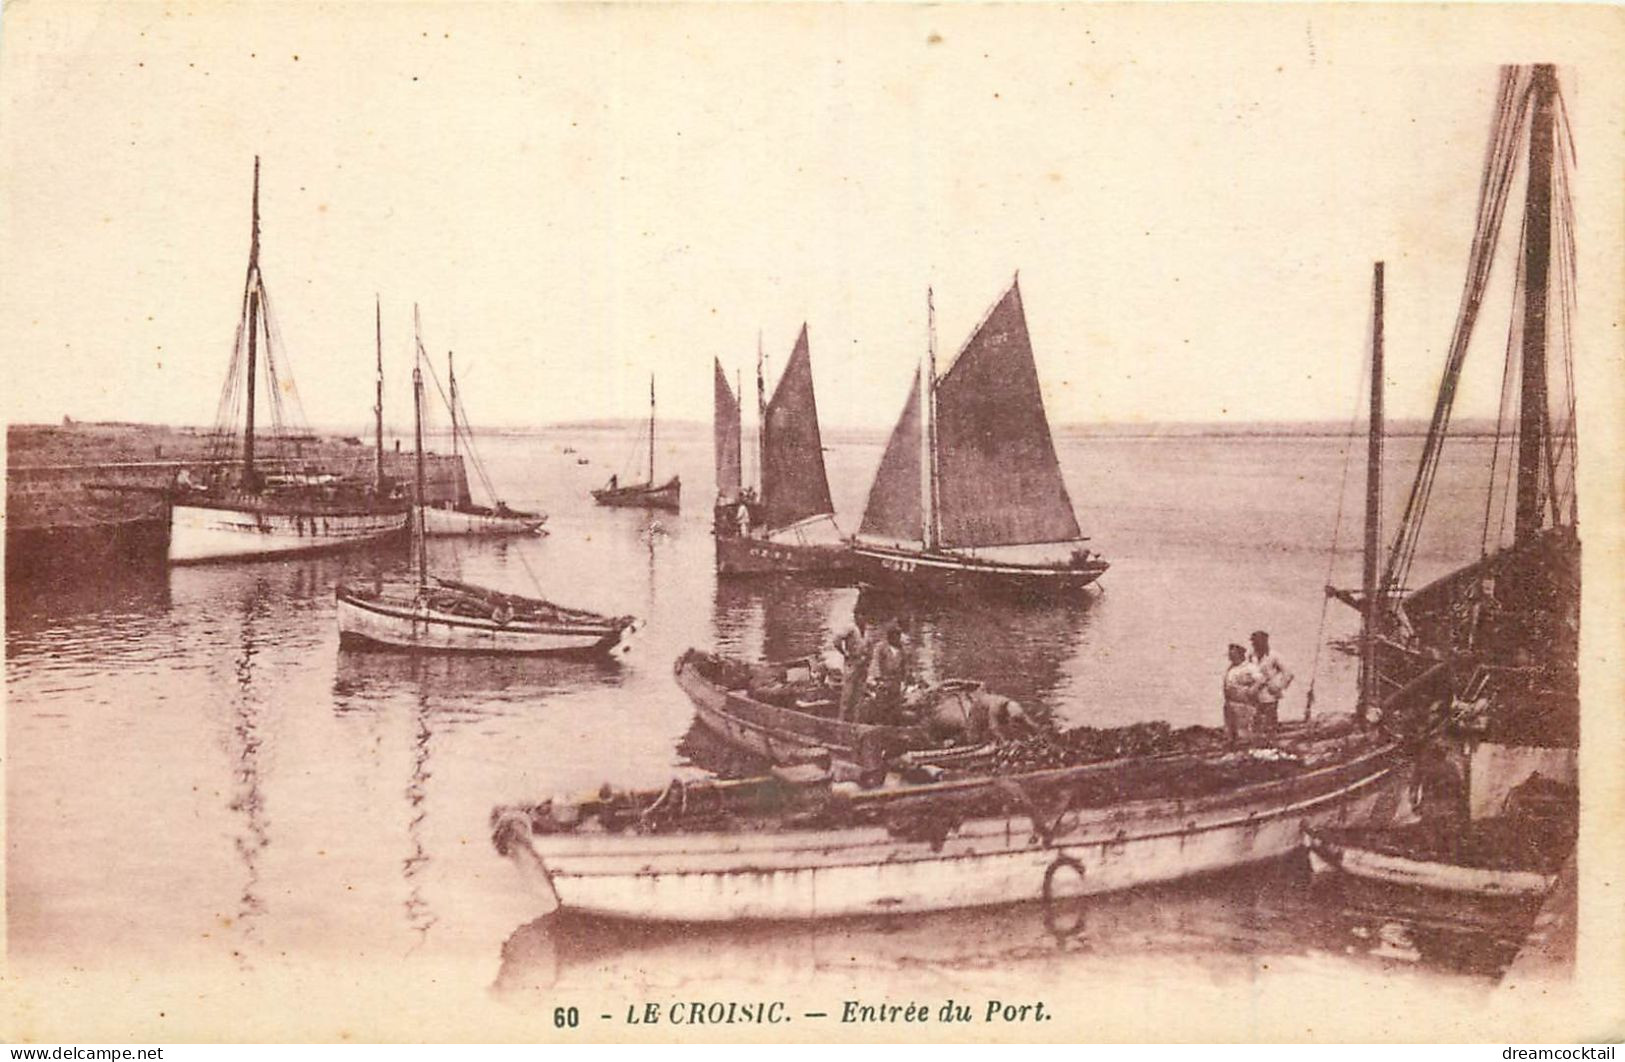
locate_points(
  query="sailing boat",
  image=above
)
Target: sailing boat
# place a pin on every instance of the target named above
(1495, 642)
(463, 517)
(648, 494)
(443, 615)
(988, 512)
(261, 513)
(789, 525)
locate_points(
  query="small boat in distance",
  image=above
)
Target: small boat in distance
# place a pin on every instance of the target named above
(464, 517)
(237, 509)
(648, 494)
(447, 616)
(989, 512)
(787, 526)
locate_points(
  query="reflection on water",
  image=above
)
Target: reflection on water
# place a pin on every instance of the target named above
(1235, 922)
(777, 619)
(484, 684)
(418, 914)
(50, 615)
(1020, 650)
(247, 801)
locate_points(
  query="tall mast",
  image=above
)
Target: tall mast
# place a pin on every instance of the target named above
(928, 395)
(417, 420)
(651, 429)
(761, 420)
(1537, 227)
(378, 406)
(1370, 693)
(250, 476)
(451, 374)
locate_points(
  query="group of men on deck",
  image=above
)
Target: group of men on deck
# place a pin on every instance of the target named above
(1254, 684)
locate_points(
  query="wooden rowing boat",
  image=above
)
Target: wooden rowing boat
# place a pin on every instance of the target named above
(785, 848)
(738, 703)
(667, 495)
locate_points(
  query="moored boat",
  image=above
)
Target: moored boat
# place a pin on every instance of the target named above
(785, 714)
(463, 516)
(443, 615)
(251, 515)
(1496, 639)
(648, 494)
(448, 616)
(471, 519)
(784, 848)
(787, 525)
(989, 512)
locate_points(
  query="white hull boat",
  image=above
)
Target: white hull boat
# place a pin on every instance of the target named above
(449, 521)
(200, 533)
(908, 857)
(455, 619)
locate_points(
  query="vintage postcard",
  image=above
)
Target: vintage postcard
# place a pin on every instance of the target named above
(815, 522)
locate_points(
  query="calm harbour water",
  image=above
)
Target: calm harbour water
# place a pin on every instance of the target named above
(199, 777)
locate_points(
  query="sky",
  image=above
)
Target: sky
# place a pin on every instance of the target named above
(577, 197)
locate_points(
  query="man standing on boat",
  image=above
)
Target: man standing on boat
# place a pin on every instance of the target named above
(1241, 684)
(1275, 678)
(857, 647)
(888, 668)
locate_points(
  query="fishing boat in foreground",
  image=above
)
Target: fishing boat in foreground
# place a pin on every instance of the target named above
(786, 714)
(443, 615)
(803, 846)
(463, 517)
(648, 494)
(236, 509)
(990, 513)
(787, 526)
(1496, 640)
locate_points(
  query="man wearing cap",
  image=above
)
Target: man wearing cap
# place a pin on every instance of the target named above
(1274, 677)
(1241, 683)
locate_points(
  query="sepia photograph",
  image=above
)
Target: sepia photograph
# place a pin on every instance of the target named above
(812, 522)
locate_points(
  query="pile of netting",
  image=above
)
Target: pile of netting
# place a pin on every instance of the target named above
(1080, 745)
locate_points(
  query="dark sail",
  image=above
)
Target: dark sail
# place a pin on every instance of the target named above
(893, 511)
(794, 485)
(726, 427)
(998, 480)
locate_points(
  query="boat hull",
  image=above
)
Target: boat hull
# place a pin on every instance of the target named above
(380, 625)
(200, 533)
(741, 555)
(952, 576)
(1330, 854)
(438, 521)
(805, 874)
(782, 735)
(667, 495)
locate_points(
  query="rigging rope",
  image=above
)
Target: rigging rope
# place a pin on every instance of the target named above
(1512, 104)
(1337, 529)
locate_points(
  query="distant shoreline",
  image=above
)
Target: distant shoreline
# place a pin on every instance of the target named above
(1465, 428)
